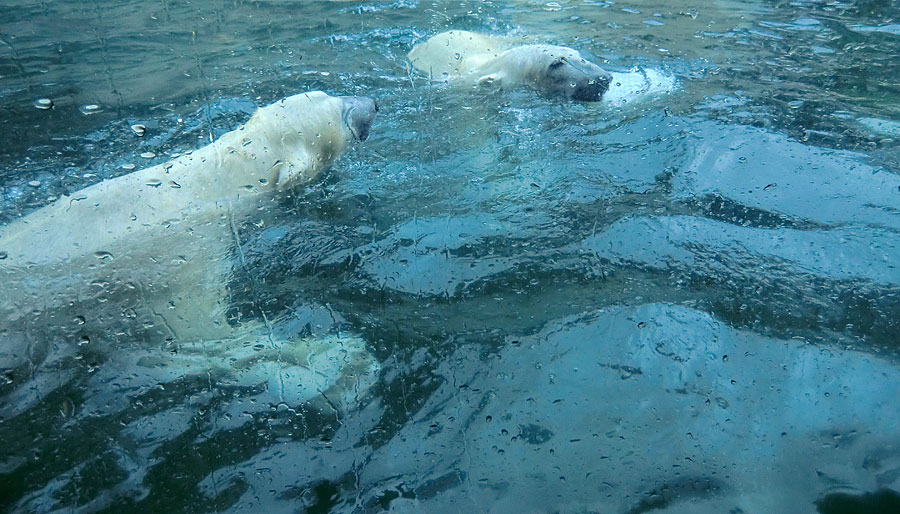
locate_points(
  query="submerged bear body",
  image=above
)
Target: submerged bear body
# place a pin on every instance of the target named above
(141, 262)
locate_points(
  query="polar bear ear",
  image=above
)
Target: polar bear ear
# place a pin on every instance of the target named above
(494, 79)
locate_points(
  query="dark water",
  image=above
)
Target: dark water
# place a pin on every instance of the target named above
(690, 305)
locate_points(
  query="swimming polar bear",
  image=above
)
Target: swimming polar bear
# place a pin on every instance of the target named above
(153, 248)
(498, 61)
(459, 55)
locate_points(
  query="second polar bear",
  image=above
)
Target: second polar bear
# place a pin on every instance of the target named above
(459, 55)
(142, 261)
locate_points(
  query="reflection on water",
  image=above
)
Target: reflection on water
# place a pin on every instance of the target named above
(686, 305)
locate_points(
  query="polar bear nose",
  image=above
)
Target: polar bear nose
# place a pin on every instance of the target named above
(592, 89)
(359, 114)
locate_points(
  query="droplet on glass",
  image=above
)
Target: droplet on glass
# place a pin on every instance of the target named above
(43, 103)
(66, 408)
(90, 109)
(139, 129)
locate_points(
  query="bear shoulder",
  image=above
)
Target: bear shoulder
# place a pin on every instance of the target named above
(456, 52)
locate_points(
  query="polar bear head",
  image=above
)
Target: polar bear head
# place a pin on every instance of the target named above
(550, 68)
(309, 131)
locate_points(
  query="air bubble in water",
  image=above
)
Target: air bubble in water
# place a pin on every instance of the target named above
(139, 129)
(148, 155)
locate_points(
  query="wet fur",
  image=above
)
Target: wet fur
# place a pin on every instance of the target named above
(462, 55)
(145, 257)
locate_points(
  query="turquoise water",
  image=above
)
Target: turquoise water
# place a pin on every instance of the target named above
(689, 304)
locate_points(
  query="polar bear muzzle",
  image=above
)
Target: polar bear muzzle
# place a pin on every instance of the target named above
(581, 80)
(359, 113)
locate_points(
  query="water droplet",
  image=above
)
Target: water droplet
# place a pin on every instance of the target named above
(34, 183)
(154, 182)
(128, 166)
(90, 109)
(174, 185)
(653, 23)
(139, 129)
(770, 186)
(79, 320)
(84, 340)
(43, 103)
(103, 255)
(66, 408)
(263, 181)
(725, 358)
(457, 56)
(3, 255)
(148, 155)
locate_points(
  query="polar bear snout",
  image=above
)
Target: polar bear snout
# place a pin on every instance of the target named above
(592, 89)
(359, 114)
(579, 79)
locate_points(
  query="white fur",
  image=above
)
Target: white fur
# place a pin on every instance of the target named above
(485, 59)
(283, 144)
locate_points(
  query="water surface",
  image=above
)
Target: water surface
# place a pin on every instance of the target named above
(689, 304)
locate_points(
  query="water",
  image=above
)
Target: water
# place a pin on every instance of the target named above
(685, 305)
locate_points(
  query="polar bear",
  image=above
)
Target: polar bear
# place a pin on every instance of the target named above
(499, 61)
(459, 55)
(155, 246)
